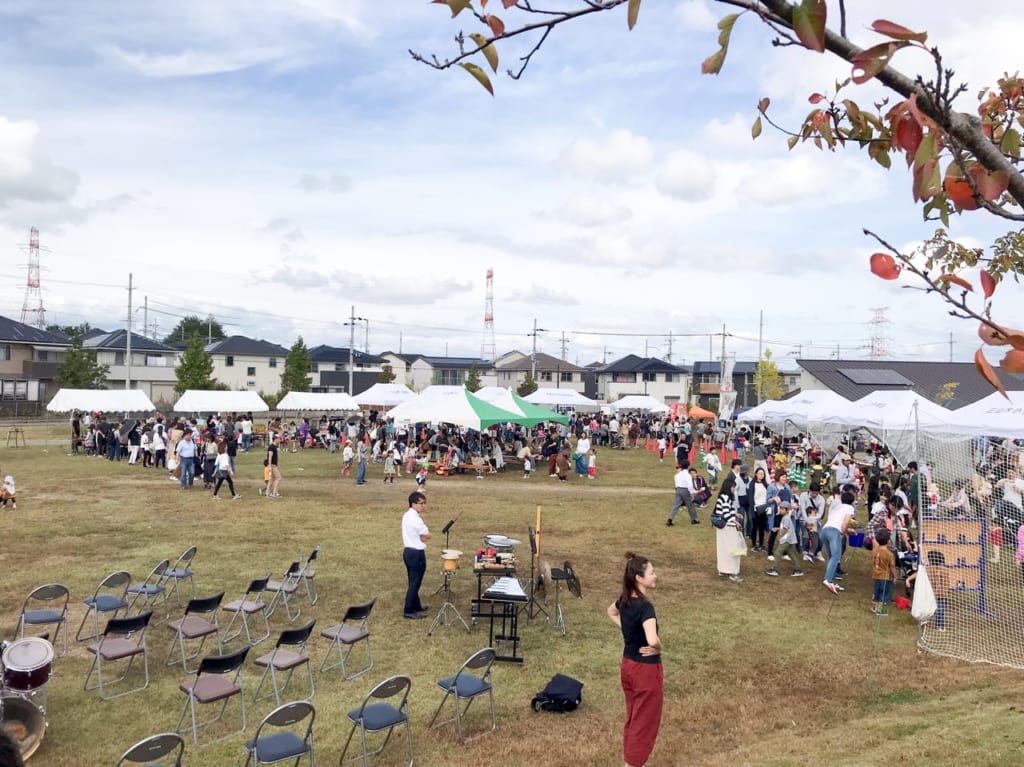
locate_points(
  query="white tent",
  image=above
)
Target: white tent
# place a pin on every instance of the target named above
(204, 401)
(102, 400)
(317, 402)
(806, 408)
(887, 410)
(994, 416)
(560, 398)
(640, 402)
(757, 413)
(385, 394)
(450, 404)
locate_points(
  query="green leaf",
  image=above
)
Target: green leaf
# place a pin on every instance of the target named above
(1010, 145)
(458, 6)
(725, 26)
(792, 141)
(712, 65)
(756, 130)
(487, 50)
(809, 23)
(632, 12)
(480, 76)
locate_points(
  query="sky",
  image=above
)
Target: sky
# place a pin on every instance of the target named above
(283, 164)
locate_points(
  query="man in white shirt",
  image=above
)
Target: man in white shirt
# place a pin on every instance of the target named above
(684, 495)
(414, 538)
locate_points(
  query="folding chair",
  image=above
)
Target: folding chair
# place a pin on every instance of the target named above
(46, 606)
(375, 717)
(467, 686)
(284, 591)
(217, 679)
(181, 572)
(117, 644)
(353, 629)
(190, 627)
(110, 597)
(149, 750)
(308, 576)
(152, 591)
(287, 660)
(285, 743)
(245, 607)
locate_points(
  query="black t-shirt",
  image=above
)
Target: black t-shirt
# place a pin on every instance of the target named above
(272, 450)
(632, 618)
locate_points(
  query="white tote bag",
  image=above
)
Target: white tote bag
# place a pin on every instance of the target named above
(924, 605)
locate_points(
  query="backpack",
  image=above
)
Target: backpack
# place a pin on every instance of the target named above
(561, 694)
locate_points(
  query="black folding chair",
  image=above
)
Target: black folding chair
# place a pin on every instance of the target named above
(283, 660)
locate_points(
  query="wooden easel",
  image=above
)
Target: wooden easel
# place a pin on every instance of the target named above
(18, 435)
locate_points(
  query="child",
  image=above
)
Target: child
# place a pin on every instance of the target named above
(787, 540)
(421, 479)
(940, 586)
(700, 489)
(266, 478)
(883, 572)
(662, 447)
(8, 493)
(346, 459)
(592, 464)
(389, 467)
(527, 466)
(712, 465)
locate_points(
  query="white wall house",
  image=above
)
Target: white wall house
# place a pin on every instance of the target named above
(247, 364)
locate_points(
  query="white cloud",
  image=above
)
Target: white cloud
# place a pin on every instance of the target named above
(192, 63)
(333, 182)
(25, 175)
(594, 211)
(616, 157)
(695, 15)
(686, 176)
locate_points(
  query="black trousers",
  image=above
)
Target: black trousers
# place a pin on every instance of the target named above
(415, 567)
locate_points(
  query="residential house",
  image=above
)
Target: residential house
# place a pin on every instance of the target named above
(707, 377)
(329, 366)
(401, 366)
(511, 368)
(248, 364)
(642, 375)
(448, 371)
(152, 367)
(29, 360)
(950, 384)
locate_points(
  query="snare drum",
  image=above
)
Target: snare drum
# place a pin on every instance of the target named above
(27, 663)
(450, 559)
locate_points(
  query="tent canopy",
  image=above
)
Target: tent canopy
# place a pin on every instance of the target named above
(385, 394)
(508, 400)
(102, 400)
(450, 404)
(560, 398)
(204, 401)
(317, 402)
(993, 416)
(889, 410)
(699, 412)
(640, 402)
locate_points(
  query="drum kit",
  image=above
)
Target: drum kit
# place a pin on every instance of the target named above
(27, 665)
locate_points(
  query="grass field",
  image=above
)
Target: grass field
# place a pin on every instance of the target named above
(769, 672)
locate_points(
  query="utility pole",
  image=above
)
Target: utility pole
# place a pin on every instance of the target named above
(710, 355)
(668, 357)
(721, 361)
(533, 354)
(399, 341)
(145, 317)
(760, 354)
(209, 329)
(366, 343)
(565, 346)
(951, 346)
(352, 319)
(128, 339)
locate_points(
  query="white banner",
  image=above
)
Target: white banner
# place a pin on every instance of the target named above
(725, 385)
(726, 405)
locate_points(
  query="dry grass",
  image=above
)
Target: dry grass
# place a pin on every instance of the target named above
(767, 672)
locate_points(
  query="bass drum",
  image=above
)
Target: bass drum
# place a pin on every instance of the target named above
(23, 722)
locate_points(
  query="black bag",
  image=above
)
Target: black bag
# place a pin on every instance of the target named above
(561, 694)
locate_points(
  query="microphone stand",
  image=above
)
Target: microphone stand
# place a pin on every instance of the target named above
(532, 607)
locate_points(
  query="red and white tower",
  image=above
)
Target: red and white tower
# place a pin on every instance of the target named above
(32, 311)
(488, 350)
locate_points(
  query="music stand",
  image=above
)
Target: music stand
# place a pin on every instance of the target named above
(532, 606)
(443, 614)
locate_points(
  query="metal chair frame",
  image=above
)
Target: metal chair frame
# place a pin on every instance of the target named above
(154, 747)
(245, 607)
(106, 599)
(346, 635)
(46, 616)
(299, 639)
(481, 659)
(115, 645)
(389, 688)
(294, 746)
(195, 607)
(228, 667)
(181, 572)
(284, 590)
(307, 574)
(152, 592)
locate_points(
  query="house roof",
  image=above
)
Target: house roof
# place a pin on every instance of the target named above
(118, 340)
(324, 353)
(12, 331)
(714, 367)
(452, 363)
(631, 363)
(244, 345)
(925, 378)
(408, 359)
(544, 362)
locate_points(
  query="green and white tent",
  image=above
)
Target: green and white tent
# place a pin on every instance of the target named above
(451, 404)
(508, 400)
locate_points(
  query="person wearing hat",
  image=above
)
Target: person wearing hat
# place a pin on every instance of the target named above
(797, 472)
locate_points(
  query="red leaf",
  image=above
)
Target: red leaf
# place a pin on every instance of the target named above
(988, 283)
(898, 31)
(1002, 336)
(497, 25)
(1013, 362)
(1016, 340)
(762, 105)
(947, 278)
(809, 23)
(883, 265)
(987, 372)
(908, 135)
(960, 192)
(508, 3)
(990, 185)
(816, 98)
(873, 60)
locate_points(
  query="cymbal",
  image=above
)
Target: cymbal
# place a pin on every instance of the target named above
(450, 553)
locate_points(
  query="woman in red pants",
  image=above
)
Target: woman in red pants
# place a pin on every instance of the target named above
(641, 672)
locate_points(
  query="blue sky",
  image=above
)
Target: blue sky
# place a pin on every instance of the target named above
(277, 162)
